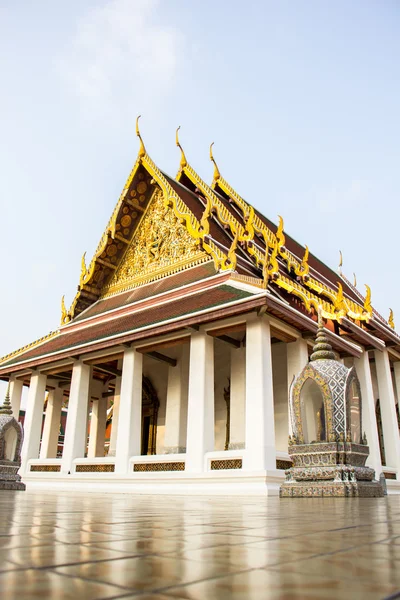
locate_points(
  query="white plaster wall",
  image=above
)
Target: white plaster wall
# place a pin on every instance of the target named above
(222, 366)
(279, 375)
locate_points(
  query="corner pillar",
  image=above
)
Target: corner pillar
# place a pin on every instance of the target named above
(237, 399)
(177, 405)
(16, 387)
(260, 454)
(368, 412)
(33, 419)
(51, 429)
(130, 410)
(388, 410)
(76, 428)
(200, 424)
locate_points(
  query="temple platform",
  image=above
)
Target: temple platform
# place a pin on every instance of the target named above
(75, 545)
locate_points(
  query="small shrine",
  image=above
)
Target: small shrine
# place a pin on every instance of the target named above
(11, 436)
(327, 448)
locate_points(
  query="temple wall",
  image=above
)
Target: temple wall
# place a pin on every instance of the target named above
(279, 374)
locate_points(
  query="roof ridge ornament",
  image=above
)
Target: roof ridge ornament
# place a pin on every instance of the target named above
(280, 235)
(183, 162)
(142, 149)
(322, 349)
(216, 174)
(391, 319)
(65, 316)
(6, 409)
(367, 302)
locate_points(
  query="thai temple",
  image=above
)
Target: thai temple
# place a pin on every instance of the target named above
(207, 352)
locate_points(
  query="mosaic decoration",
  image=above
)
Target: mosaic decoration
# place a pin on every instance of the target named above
(161, 466)
(11, 436)
(332, 465)
(231, 463)
(283, 464)
(105, 468)
(46, 468)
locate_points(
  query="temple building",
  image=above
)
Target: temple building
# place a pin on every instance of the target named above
(171, 371)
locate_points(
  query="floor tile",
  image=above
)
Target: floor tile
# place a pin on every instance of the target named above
(270, 585)
(147, 572)
(33, 584)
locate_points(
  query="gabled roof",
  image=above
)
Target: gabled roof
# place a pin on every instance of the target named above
(162, 228)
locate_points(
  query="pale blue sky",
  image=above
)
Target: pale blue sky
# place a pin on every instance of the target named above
(301, 99)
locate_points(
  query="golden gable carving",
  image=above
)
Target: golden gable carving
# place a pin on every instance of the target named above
(160, 246)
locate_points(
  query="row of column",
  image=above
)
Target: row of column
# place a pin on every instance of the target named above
(190, 406)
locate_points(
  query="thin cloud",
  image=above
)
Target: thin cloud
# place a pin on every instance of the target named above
(120, 53)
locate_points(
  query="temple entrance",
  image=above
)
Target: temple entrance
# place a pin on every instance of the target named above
(150, 406)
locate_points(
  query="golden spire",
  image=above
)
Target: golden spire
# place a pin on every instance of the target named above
(142, 149)
(391, 319)
(367, 302)
(355, 280)
(217, 174)
(6, 409)
(322, 349)
(279, 233)
(340, 261)
(183, 162)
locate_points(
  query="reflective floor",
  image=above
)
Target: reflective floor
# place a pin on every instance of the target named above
(74, 545)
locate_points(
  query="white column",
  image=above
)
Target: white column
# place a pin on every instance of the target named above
(388, 410)
(51, 429)
(33, 419)
(115, 415)
(200, 425)
(369, 425)
(238, 399)
(177, 404)
(76, 428)
(15, 395)
(260, 453)
(297, 359)
(97, 428)
(130, 410)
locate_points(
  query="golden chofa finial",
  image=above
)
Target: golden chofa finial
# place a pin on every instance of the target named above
(280, 236)
(183, 162)
(367, 302)
(83, 270)
(217, 174)
(391, 319)
(340, 261)
(142, 150)
(65, 318)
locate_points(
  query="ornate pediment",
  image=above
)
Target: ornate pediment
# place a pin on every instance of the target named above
(161, 246)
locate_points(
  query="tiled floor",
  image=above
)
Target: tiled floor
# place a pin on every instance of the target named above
(71, 545)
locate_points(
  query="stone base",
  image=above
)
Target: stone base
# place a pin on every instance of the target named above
(12, 485)
(331, 489)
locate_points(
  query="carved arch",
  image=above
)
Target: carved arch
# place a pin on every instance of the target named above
(12, 424)
(297, 403)
(353, 379)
